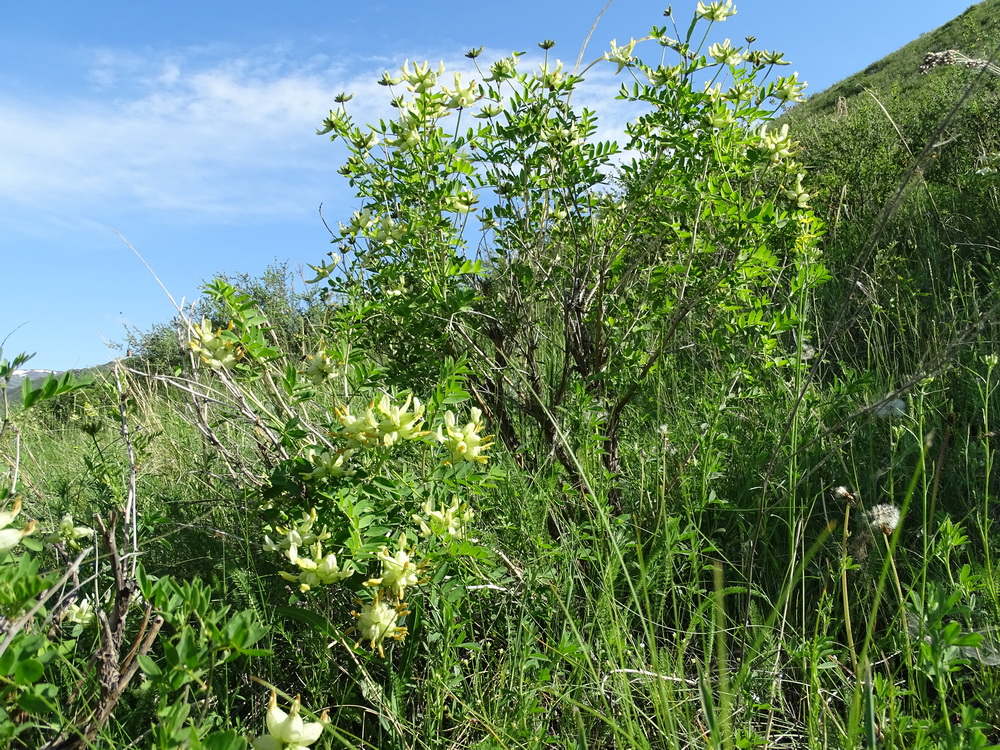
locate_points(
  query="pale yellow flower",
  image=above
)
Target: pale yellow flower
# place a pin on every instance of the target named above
(218, 349)
(288, 731)
(716, 11)
(621, 56)
(318, 570)
(377, 621)
(465, 443)
(80, 614)
(449, 523)
(68, 533)
(10, 538)
(725, 53)
(789, 89)
(398, 570)
(327, 464)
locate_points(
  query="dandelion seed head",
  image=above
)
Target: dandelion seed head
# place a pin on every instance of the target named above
(891, 409)
(884, 518)
(842, 493)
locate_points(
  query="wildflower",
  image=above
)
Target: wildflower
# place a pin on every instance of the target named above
(68, 533)
(465, 444)
(490, 110)
(327, 464)
(621, 56)
(890, 409)
(788, 89)
(218, 349)
(503, 69)
(720, 117)
(884, 518)
(448, 523)
(389, 80)
(10, 538)
(806, 351)
(741, 91)
(798, 193)
(668, 445)
(397, 422)
(377, 621)
(716, 11)
(560, 134)
(407, 137)
(321, 367)
(664, 76)
(778, 145)
(725, 53)
(399, 289)
(361, 222)
(363, 141)
(287, 731)
(842, 493)
(357, 430)
(463, 202)
(398, 570)
(300, 535)
(773, 57)
(463, 96)
(318, 570)
(322, 271)
(421, 78)
(714, 93)
(79, 614)
(388, 232)
(552, 77)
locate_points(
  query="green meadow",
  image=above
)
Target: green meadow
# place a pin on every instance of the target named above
(686, 440)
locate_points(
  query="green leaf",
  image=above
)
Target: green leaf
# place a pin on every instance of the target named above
(148, 666)
(28, 671)
(39, 700)
(308, 617)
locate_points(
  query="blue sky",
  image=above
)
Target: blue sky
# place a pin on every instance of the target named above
(189, 127)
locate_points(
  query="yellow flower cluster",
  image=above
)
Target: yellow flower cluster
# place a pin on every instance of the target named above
(288, 731)
(448, 523)
(398, 570)
(328, 464)
(391, 425)
(378, 621)
(779, 145)
(300, 535)
(317, 570)
(321, 367)
(69, 533)
(217, 350)
(464, 443)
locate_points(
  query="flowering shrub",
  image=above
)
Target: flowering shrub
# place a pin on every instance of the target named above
(488, 210)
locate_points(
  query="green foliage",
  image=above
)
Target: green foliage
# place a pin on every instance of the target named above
(719, 511)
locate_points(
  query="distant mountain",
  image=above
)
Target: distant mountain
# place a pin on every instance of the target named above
(35, 376)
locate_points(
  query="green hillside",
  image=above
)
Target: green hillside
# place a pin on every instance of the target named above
(896, 159)
(975, 32)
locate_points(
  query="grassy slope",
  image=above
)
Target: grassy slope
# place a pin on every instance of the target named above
(976, 32)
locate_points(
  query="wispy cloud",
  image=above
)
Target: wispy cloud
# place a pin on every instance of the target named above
(198, 134)
(173, 134)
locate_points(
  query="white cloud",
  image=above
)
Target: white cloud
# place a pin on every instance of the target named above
(174, 135)
(201, 135)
